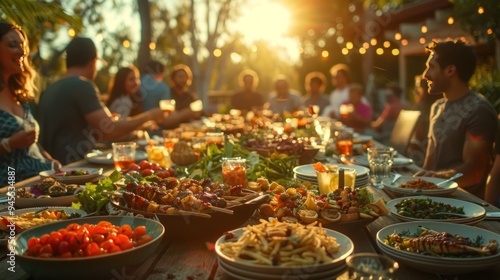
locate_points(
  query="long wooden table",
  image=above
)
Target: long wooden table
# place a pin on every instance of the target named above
(193, 259)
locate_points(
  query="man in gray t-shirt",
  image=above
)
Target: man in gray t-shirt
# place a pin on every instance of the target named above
(72, 118)
(462, 124)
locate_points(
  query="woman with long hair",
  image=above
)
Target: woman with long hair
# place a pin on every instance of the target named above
(19, 150)
(124, 97)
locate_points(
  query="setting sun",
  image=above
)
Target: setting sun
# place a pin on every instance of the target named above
(261, 20)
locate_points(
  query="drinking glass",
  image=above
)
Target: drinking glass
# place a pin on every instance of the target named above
(170, 137)
(371, 266)
(234, 171)
(167, 105)
(216, 138)
(157, 154)
(380, 160)
(345, 110)
(343, 139)
(123, 154)
(328, 181)
(199, 143)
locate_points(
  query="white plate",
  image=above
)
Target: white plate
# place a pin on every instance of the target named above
(76, 179)
(438, 264)
(476, 212)
(107, 158)
(346, 249)
(444, 189)
(238, 273)
(397, 162)
(308, 171)
(68, 210)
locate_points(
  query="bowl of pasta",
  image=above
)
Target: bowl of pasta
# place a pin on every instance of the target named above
(275, 250)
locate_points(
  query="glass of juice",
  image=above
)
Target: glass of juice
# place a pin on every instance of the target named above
(328, 181)
(234, 171)
(123, 154)
(216, 138)
(343, 139)
(170, 137)
(157, 154)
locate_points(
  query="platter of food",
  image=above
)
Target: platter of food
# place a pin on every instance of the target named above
(417, 185)
(437, 247)
(75, 175)
(418, 208)
(339, 209)
(140, 239)
(106, 157)
(48, 192)
(189, 209)
(324, 259)
(27, 218)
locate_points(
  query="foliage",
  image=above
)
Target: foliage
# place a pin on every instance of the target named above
(486, 80)
(466, 13)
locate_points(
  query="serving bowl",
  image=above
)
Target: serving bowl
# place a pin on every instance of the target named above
(97, 267)
(188, 225)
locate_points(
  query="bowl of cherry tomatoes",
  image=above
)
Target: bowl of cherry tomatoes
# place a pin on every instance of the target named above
(86, 248)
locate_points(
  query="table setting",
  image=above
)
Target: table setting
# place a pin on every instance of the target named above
(198, 194)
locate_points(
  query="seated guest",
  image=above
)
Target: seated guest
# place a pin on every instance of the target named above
(282, 99)
(360, 117)
(315, 84)
(72, 118)
(19, 149)
(248, 99)
(385, 122)
(153, 88)
(124, 95)
(181, 79)
(492, 192)
(463, 123)
(341, 78)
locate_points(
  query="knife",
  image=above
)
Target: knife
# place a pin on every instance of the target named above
(492, 216)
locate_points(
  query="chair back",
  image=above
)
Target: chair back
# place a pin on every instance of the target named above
(403, 130)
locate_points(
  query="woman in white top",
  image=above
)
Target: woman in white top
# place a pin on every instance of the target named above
(124, 98)
(340, 79)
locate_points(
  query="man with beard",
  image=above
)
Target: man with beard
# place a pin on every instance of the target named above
(462, 123)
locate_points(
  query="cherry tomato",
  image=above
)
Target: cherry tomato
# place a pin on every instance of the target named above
(134, 166)
(44, 239)
(145, 164)
(147, 172)
(138, 232)
(64, 247)
(126, 229)
(144, 239)
(163, 174)
(98, 238)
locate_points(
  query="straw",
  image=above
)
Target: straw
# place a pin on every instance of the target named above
(341, 178)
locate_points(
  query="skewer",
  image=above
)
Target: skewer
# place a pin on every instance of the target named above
(223, 210)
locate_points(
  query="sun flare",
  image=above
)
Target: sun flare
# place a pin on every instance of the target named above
(270, 22)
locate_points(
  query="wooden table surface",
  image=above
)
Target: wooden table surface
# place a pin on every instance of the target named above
(193, 258)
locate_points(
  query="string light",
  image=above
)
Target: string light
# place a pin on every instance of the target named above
(325, 54)
(423, 29)
(387, 44)
(217, 52)
(422, 40)
(126, 43)
(395, 52)
(490, 31)
(380, 51)
(451, 20)
(404, 42)
(345, 51)
(71, 32)
(349, 45)
(373, 41)
(152, 46)
(397, 36)
(480, 10)
(362, 50)
(366, 45)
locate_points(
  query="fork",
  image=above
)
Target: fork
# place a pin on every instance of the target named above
(396, 177)
(453, 214)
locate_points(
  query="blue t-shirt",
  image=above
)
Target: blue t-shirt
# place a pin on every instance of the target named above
(152, 92)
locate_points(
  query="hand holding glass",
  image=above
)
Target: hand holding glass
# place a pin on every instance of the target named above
(167, 105)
